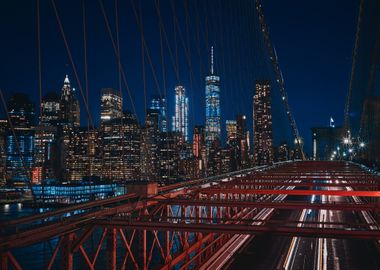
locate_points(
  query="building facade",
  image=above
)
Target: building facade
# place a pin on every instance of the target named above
(111, 105)
(199, 150)
(83, 154)
(169, 156)
(120, 142)
(45, 138)
(159, 103)
(262, 124)
(242, 136)
(180, 121)
(69, 105)
(213, 124)
(20, 140)
(150, 137)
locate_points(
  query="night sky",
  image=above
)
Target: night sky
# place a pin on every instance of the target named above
(313, 40)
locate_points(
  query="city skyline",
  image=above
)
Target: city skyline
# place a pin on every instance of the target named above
(53, 70)
(190, 134)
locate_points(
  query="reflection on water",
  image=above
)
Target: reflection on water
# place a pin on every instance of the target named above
(15, 210)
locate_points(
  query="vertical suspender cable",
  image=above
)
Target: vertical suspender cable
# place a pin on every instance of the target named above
(86, 83)
(40, 86)
(279, 78)
(119, 85)
(162, 26)
(117, 57)
(71, 61)
(353, 69)
(39, 55)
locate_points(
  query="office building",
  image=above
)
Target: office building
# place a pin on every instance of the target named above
(121, 139)
(212, 127)
(45, 138)
(181, 115)
(199, 150)
(69, 105)
(20, 140)
(169, 156)
(159, 103)
(111, 105)
(282, 152)
(242, 137)
(83, 154)
(262, 124)
(232, 145)
(150, 137)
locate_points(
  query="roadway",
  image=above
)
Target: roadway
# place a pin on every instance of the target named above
(299, 253)
(322, 253)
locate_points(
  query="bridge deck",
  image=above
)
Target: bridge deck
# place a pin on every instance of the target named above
(201, 216)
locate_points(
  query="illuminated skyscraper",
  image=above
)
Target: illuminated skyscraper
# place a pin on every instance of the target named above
(231, 160)
(69, 119)
(83, 151)
(150, 137)
(242, 137)
(20, 143)
(111, 105)
(50, 109)
(45, 138)
(169, 157)
(44, 152)
(199, 150)
(213, 129)
(262, 124)
(69, 105)
(181, 116)
(159, 103)
(198, 141)
(231, 131)
(121, 148)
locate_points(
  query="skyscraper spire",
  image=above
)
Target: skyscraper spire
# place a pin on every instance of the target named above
(67, 81)
(212, 126)
(212, 60)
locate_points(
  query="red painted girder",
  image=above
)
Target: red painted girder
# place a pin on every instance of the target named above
(344, 193)
(278, 205)
(50, 230)
(291, 176)
(244, 229)
(65, 210)
(298, 184)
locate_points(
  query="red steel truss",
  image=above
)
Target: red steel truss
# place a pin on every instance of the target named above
(184, 224)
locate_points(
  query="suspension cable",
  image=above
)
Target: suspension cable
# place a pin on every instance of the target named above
(162, 26)
(353, 68)
(279, 78)
(118, 58)
(73, 66)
